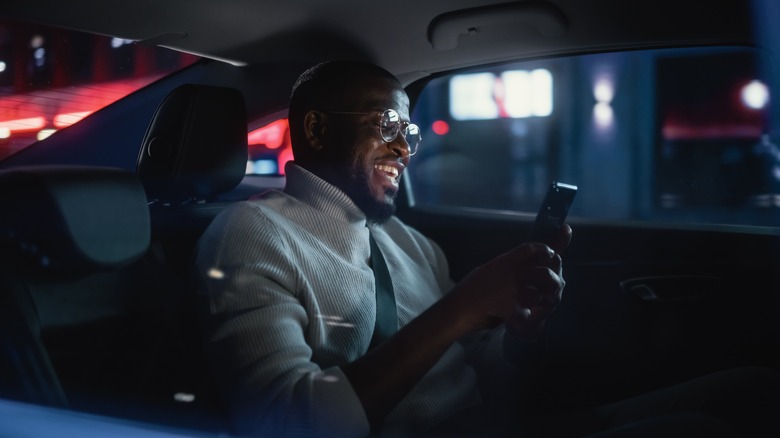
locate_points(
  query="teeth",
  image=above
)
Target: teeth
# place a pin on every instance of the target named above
(390, 170)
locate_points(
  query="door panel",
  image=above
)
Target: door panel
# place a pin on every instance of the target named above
(642, 308)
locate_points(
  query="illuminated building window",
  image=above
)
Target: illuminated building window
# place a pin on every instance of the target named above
(510, 94)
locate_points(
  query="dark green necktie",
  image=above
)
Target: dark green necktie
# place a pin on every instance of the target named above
(386, 316)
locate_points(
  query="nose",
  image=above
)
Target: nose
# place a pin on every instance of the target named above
(400, 147)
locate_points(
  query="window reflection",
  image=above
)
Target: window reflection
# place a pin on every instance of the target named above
(52, 78)
(659, 135)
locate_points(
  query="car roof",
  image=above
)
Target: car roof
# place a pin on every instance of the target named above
(411, 38)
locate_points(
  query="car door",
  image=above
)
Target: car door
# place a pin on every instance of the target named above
(671, 272)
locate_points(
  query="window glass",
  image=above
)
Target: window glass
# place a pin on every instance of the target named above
(679, 135)
(269, 146)
(52, 78)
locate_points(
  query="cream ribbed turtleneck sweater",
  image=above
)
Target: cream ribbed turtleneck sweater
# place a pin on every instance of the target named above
(291, 299)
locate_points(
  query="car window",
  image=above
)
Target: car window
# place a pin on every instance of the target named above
(269, 145)
(51, 78)
(673, 135)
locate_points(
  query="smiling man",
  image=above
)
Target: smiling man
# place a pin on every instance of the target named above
(294, 332)
(335, 118)
(326, 316)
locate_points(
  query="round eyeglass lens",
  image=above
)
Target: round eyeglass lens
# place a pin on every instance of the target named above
(390, 124)
(413, 137)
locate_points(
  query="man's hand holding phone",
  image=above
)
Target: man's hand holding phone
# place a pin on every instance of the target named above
(534, 305)
(523, 286)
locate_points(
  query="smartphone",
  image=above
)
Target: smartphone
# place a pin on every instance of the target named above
(552, 213)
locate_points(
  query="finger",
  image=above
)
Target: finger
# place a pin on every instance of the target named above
(562, 239)
(533, 298)
(544, 291)
(551, 298)
(542, 311)
(528, 297)
(525, 326)
(539, 280)
(549, 301)
(539, 253)
(520, 254)
(555, 264)
(521, 313)
(533, 251)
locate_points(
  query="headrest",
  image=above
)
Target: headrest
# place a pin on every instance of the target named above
(72, 219)
(195, 146)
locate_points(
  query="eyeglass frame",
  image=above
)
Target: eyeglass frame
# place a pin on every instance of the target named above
(412, 149)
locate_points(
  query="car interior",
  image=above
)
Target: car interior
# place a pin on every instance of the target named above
(672, 272)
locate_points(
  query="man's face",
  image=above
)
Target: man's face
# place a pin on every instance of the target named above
(367, 168)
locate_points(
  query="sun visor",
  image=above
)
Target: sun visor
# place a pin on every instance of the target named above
(486, 23)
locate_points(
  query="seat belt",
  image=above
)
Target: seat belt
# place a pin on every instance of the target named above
(386, 314)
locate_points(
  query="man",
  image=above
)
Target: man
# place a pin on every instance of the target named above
(292, 303)
(291, 292)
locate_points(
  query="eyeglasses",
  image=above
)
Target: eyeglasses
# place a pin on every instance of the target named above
(390, 125)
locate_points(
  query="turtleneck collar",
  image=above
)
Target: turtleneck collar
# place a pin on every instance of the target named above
(314, 191)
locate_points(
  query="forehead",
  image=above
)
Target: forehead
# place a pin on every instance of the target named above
(377, 93)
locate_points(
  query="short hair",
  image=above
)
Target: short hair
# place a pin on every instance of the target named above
(322, 85)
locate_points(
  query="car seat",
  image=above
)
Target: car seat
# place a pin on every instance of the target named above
(69, 237)
(195, 150)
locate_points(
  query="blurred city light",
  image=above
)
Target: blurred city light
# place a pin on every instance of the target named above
(63, 120)
(755, 95)
(513, 93)
(36, 41)
(184, 397)
(471, 97)
(272, 135)
(28, 124)
(603, 114)
(54, 78)
(44, 134)
(40, 56)
(603, 92)
(440, 127)
(119, 42)
(262, 167)
(541, 82)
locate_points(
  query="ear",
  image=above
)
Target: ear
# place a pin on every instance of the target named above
(314, 126)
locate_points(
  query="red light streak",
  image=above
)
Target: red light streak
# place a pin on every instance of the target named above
(67, 119)
(62, 106)
(22, 125)
(272, 135)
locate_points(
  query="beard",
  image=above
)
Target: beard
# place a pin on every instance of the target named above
(358, 189)
(350, 169)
